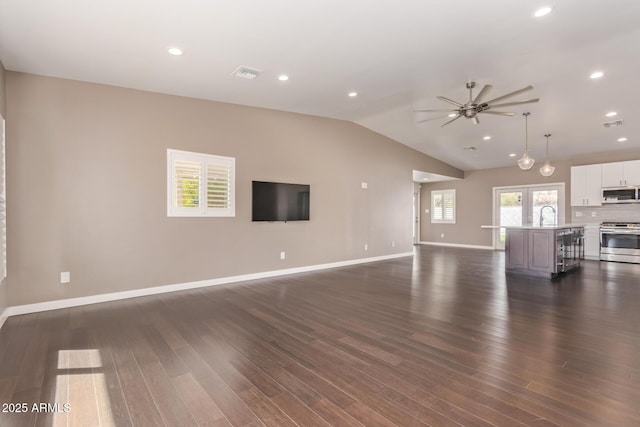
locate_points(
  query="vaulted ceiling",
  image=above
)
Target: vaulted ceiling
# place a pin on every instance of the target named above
(397, 55)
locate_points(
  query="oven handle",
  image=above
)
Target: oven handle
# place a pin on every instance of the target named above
(616, 231)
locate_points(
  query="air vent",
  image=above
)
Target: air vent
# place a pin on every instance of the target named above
(612, 124)
(246, 72)
(470, 148)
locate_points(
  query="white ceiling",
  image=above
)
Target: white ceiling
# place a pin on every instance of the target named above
(398, 55)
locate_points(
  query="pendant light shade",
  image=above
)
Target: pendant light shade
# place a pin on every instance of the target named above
(547, 169)
(526, 162)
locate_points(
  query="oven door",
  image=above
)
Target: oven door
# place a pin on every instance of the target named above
(620, 245)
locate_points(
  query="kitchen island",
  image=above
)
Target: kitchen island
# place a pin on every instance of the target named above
(543, 251)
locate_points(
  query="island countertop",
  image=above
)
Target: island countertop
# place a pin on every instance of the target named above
(545, 227)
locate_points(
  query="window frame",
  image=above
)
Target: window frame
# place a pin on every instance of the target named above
(203, 210)
(443, 193)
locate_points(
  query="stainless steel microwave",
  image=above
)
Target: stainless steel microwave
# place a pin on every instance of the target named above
(620, 195)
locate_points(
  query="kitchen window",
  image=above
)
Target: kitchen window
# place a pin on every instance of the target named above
(200, 185)
(443, 206)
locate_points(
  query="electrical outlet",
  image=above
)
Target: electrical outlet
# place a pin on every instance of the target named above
(65, 277)
(578, 214)
(594, 214)
(283, 255)
(365, 185)
(393, 244)
(426, 211)
(442, 235)
(366, 247)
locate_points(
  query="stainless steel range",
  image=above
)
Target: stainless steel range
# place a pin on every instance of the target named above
(620, 241)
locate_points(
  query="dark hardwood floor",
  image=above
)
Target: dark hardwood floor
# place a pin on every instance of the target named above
(440, 339)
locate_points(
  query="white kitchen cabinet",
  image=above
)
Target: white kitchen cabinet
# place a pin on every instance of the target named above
(586, 185)
(620, 174)
(592, 242)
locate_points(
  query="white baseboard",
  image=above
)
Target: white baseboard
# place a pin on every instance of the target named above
(94, 299)
(457, 245)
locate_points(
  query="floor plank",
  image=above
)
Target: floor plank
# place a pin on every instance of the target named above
(441, 338)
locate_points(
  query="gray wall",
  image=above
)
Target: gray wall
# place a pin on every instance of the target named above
(3, 113)
(474, 197)
(87, 178)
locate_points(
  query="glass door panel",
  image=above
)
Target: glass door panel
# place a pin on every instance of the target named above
(544, 201)
(510, 211)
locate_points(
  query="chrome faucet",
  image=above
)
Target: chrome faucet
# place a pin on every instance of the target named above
(541, 212)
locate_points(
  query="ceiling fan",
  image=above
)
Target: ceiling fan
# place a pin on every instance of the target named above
(475, 106)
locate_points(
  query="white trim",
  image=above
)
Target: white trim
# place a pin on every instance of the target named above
(443, 193)
(525, 188)
(457, 245)
(94, 299)
(3, 316)
(204, 160)
(507, 187)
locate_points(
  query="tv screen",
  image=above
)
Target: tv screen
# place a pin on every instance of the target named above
(277, 201)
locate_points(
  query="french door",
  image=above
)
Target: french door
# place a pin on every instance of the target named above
(517, 206)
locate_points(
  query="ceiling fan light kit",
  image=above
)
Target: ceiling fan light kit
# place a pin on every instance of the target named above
(475, 106)
(526, 162)
(547, 169)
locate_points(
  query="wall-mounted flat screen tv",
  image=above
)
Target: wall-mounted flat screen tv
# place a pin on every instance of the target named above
(277, 201)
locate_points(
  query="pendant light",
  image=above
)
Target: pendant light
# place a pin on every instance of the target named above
(547, 169)
(526, 162)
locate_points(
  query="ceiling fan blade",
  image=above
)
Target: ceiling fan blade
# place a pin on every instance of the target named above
(499, 113)
(509, 95)
(435, 111)
(452, 120)
(450, 101)
(475, 120)
(432, 118)
(480, 96)
(509, 104)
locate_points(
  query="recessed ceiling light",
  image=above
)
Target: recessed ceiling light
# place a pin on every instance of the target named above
(542, 11)
(353, 94)
(175, 51)
(486, 138)
(611, 114)
(596, 74)
(622, 139)
(453, 114)
(512, 155)
(283, 77)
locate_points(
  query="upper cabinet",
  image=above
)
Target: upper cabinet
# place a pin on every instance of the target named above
(621, 174)
(586, 185)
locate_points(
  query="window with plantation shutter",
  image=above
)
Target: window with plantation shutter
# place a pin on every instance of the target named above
(200, 184)
(443, 206)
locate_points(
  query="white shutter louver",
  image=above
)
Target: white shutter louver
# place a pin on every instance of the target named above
(437, 206)
(200, 184)
(218, 186)
(187, 184)
(443, 206)
(447, 205)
